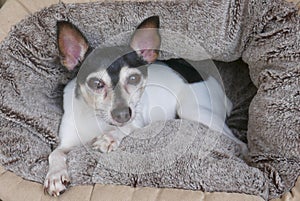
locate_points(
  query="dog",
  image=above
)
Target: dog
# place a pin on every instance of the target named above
(120, 89)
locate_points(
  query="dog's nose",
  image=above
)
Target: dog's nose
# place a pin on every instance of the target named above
(121, 114)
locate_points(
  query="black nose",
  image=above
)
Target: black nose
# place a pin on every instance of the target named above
(121, 114)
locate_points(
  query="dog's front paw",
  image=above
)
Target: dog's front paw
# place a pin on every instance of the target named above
(56, 182)
(105, 143)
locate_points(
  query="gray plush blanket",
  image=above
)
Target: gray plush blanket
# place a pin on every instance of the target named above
(177, 154)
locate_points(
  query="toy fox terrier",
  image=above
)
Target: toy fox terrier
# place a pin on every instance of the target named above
(119, 89)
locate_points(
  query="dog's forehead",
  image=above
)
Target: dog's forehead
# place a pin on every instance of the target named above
(111, 60)
(99, 59)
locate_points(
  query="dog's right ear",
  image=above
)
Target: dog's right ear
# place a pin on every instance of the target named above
(146, 39)
(72, 44)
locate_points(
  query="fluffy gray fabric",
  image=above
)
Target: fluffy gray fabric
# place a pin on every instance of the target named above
(177, 153)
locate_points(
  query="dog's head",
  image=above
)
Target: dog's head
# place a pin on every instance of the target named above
(111, 80)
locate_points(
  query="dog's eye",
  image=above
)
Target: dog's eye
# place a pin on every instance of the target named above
(95, 83)
(134, 79)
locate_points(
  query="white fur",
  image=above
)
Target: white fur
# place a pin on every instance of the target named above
(165, 95)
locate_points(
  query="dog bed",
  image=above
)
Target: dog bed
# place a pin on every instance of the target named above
(265, 34)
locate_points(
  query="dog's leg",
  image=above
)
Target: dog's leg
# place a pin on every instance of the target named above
(107, 142)
(57, 177)
(111, 140)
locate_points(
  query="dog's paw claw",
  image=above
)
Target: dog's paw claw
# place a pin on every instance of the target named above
(105, 144)
(56, 183)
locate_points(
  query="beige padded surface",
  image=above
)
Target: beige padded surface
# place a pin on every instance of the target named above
(14, 188)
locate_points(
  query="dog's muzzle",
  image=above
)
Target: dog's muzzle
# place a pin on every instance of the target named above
(121, 114)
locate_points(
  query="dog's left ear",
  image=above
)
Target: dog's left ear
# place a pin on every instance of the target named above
(146, 39)
(72, 44)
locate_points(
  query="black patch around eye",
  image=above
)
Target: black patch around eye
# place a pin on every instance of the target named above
(132, 60)
(114, 71)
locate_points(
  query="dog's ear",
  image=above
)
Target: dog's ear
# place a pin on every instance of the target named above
(146, 39)
(72, 44)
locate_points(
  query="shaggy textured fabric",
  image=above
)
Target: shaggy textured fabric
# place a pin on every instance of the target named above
(176, 153)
